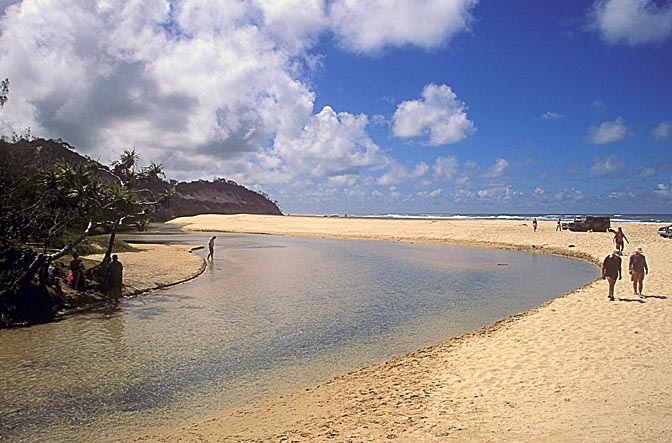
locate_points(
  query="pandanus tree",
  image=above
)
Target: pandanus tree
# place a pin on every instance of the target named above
(134, 195)
(80, 197)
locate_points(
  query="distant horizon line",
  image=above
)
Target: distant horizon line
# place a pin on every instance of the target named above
(621, 217)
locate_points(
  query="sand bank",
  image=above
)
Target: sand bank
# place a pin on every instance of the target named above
(578, 368)
(156, 267)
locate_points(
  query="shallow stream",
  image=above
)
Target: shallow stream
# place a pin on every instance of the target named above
(270, 314)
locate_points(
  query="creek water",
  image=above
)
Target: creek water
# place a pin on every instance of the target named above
(269, 315)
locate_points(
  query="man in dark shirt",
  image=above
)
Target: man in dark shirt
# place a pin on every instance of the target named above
(115, 273)
(611, 270)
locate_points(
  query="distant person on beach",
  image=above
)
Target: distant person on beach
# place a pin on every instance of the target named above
(211, 248)
(611, 270)
(558, 227)
(619, 236)
(534, 224)
(115, 276)
(638, 268)
(77, 269)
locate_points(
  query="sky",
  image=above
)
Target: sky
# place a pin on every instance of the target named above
(361, 107)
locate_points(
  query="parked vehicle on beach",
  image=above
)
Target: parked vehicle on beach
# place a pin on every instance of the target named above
(590, 223)
(577, 219)
(665, 231)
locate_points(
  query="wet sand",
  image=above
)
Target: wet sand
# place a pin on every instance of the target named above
(578, 368)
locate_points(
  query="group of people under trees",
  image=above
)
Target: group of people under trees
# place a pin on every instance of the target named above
(114, 273)
(637, 266)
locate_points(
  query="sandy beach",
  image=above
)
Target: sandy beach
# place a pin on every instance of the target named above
(577, 369)
(156, 267)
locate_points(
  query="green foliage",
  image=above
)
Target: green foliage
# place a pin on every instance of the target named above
(58, 207)
(96, 244)
(35, 303)
(31, 210)
(99, 243)
(12, 259)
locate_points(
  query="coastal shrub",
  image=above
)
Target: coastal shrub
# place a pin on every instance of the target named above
(35, 303)
(12, 260)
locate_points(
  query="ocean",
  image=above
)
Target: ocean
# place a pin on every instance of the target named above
(615, 218)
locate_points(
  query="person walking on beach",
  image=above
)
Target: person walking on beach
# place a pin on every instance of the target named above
(115, 276)
(534, 224)
(558, 227)
(611, 270)
(638, 267)
(618, 239)
(211, 248)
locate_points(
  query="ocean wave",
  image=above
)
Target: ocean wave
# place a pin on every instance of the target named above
(615, 218)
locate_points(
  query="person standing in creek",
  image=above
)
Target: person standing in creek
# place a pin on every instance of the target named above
(115, 276)
(211, 248)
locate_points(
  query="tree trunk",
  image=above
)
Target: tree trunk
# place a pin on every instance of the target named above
(28, 274)
(110, 245)
(70, 246)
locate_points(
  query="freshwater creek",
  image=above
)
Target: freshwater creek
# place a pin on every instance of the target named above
(270, 314)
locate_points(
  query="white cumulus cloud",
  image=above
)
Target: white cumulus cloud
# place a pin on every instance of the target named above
(295, 23)
(646, 171)
(500, 193)
(608, 165)
(551, 116)
(397, 173)
(632, 22)
(608, 132)
(439, 115)
(331, 144)
(663, 190)
(446, 168)
(370, 25)
(209, 88)
(497, 170)
(663, 131)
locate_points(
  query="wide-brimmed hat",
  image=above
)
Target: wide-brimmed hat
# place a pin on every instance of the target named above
(616, 251)
(638, 250)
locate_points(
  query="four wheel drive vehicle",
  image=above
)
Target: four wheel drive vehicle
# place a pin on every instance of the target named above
(590, 223)
(665, 231)
(577, 219)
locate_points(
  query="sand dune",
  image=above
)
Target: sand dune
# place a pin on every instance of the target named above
(577, 369)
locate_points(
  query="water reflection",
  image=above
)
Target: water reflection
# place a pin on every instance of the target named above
(269, 314)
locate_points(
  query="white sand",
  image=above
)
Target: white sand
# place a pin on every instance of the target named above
(157, 266)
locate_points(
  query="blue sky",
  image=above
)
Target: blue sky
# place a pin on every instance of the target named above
(376, 106)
